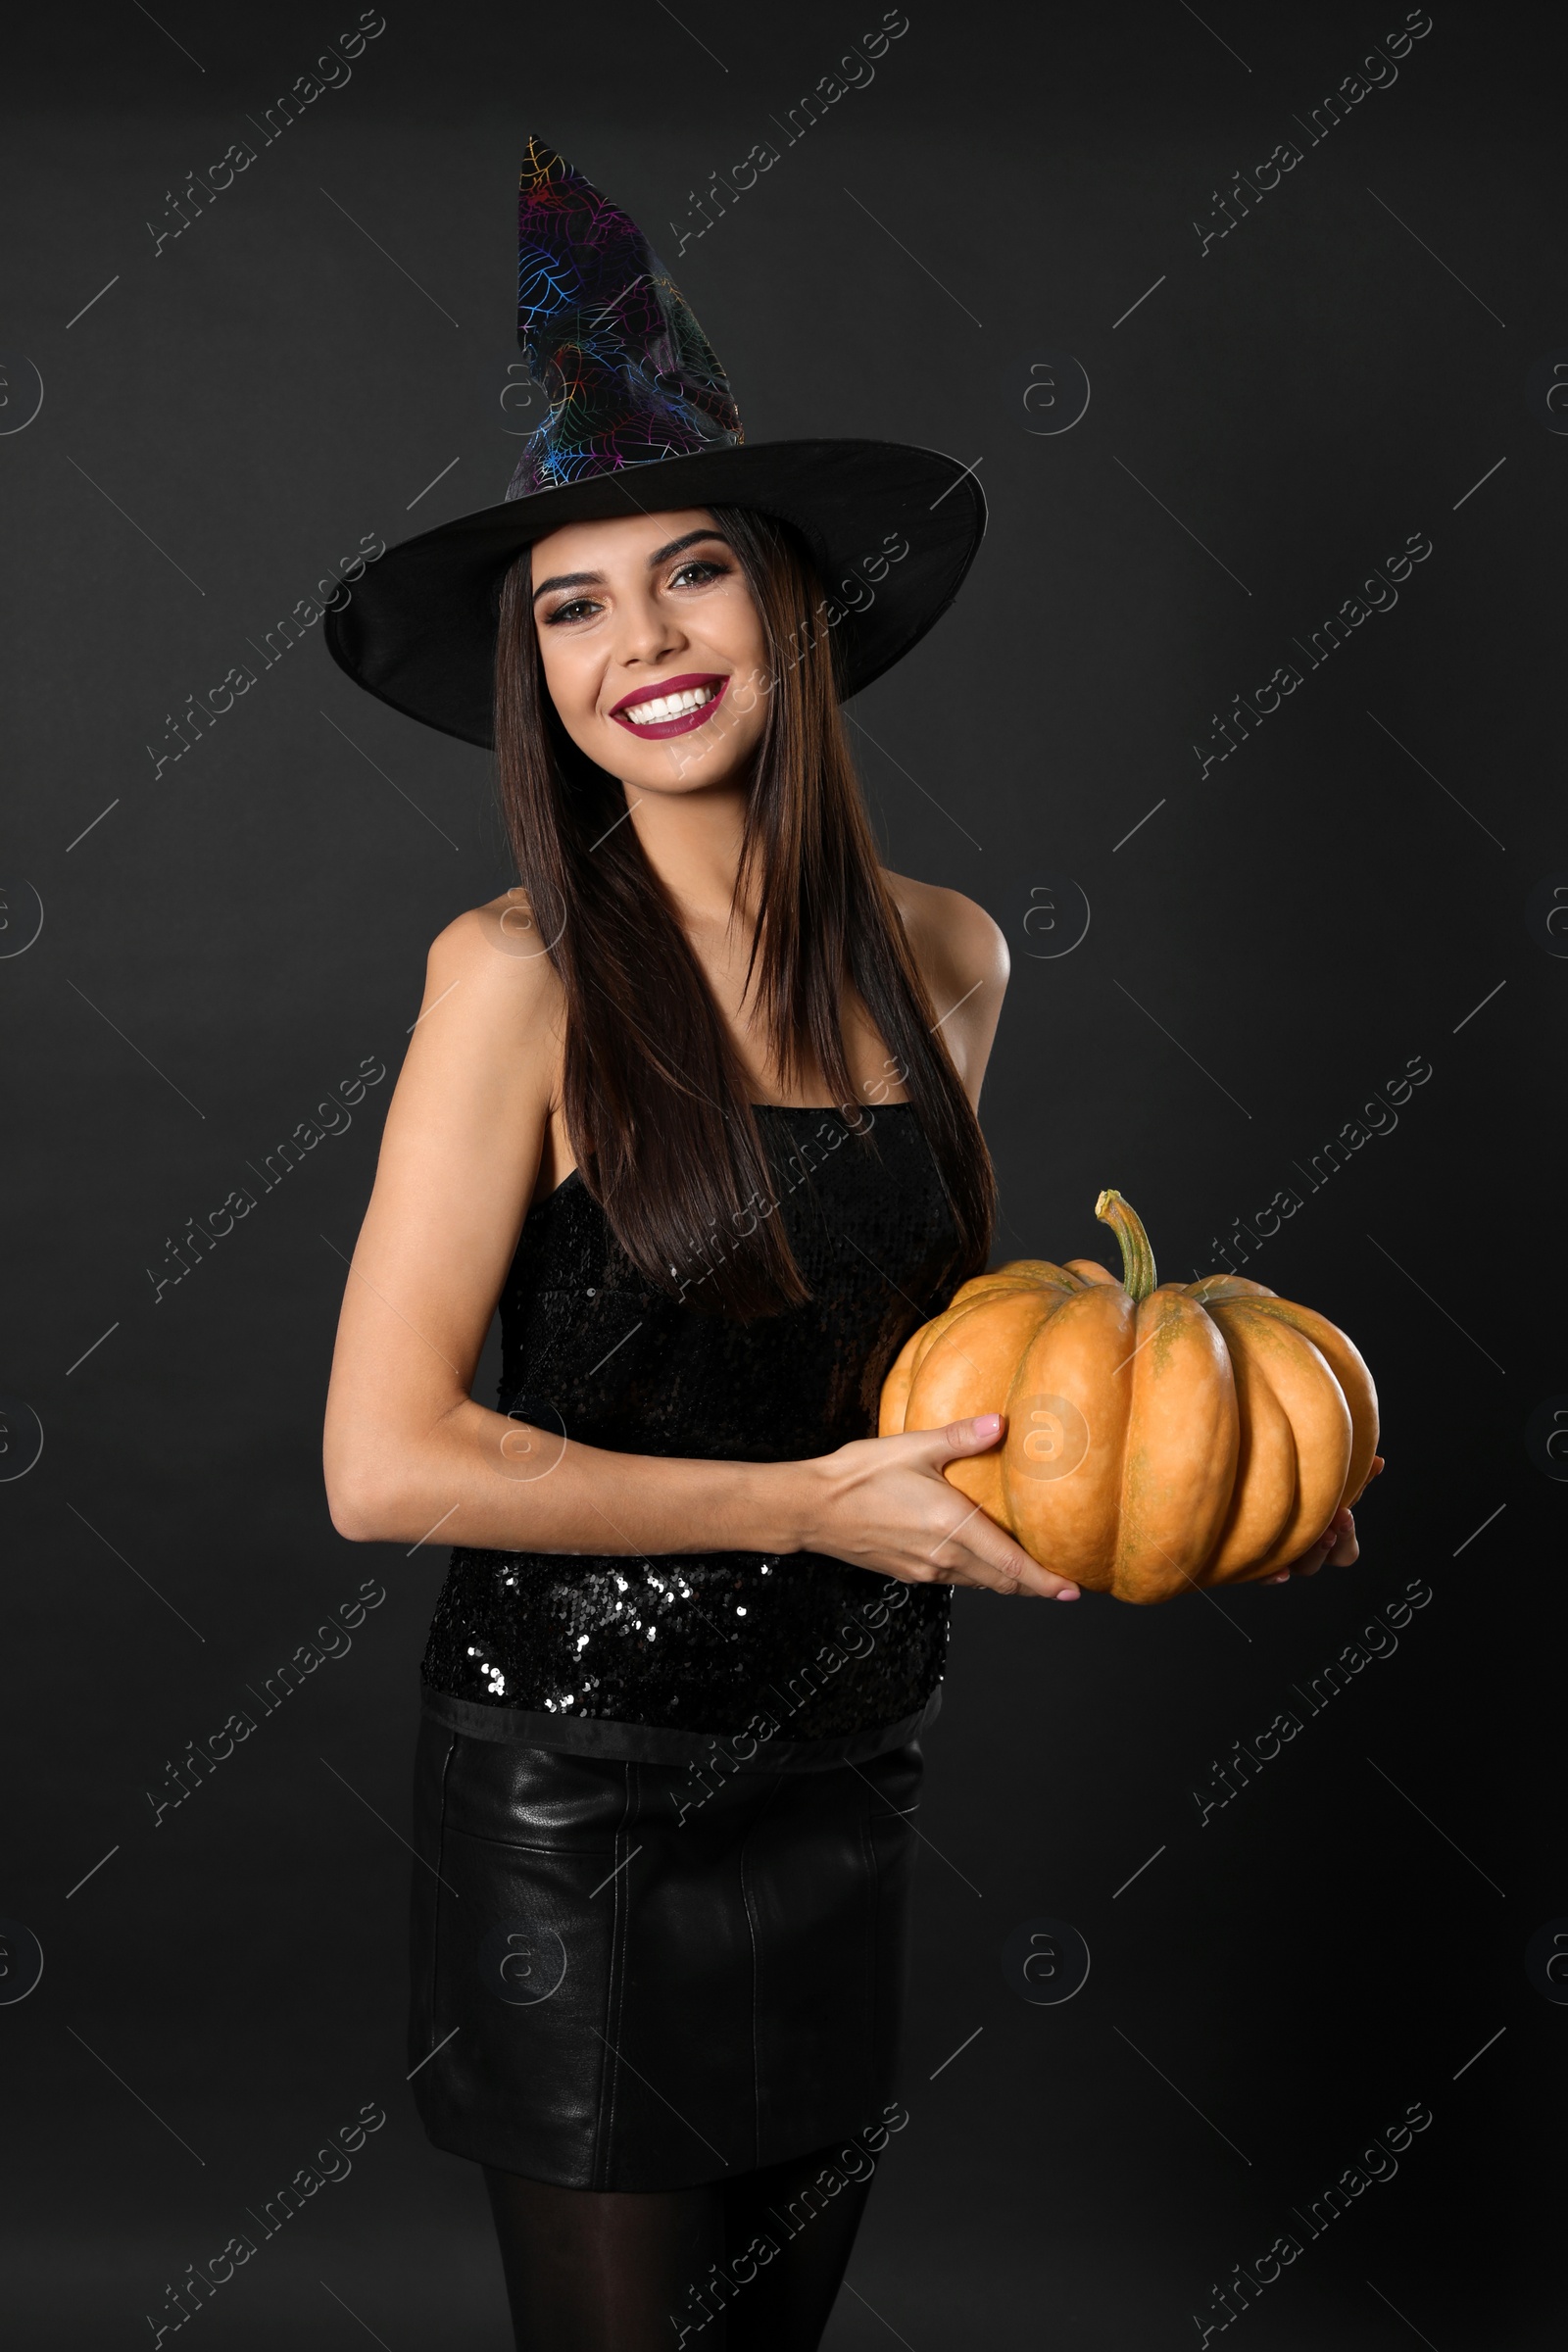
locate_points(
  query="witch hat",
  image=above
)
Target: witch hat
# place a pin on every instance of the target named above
(642, 420)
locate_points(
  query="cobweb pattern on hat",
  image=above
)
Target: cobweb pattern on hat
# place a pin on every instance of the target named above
(629, 375)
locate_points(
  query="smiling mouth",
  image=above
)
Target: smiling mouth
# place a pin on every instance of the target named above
(672, 708)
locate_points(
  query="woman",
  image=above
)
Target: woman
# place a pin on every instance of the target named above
(696, 1103)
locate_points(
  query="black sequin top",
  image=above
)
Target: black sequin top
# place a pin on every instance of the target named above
(635, 1657)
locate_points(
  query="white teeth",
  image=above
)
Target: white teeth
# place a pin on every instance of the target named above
(662, 707)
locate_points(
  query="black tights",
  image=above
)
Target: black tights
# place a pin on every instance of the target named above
(653, 2270)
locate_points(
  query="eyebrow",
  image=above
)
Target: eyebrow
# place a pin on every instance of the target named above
(596, 580)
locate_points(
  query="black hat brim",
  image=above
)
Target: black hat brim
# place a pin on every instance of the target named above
(420, 630)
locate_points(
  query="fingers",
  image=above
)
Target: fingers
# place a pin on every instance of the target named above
(1338, 1540)
(1336, 1548)
(1346, 1548)
(959, 1438)
(976, 1551)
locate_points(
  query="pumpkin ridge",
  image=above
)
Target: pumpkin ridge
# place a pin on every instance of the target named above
(1297, 1534)
(1175, 1485)
(1265, 1448)
(1354, 1380)
(1073, 1355)
(946, 1323)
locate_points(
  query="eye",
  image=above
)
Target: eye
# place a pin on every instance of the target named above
(697, 571)
(575, 608)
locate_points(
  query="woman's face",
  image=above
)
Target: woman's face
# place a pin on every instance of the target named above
(653, 648)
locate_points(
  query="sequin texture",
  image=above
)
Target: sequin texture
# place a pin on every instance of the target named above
(707, 1641)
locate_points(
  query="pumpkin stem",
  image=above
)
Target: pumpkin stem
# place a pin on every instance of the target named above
(1137, 1257)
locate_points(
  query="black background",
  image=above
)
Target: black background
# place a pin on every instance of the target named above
(1276, 940)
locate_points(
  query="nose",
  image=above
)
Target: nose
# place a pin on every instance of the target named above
(650, 633)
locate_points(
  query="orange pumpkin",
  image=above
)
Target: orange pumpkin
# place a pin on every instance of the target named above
(1158, 1436)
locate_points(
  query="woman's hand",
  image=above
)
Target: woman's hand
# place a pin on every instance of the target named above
(1336, 1548)
(883, 1504)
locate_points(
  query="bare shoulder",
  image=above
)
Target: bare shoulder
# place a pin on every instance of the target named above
(963, 961)
(950, 934)
(492, 993)
(499, 952)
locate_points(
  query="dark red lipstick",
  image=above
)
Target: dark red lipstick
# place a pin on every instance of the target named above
(654, 730)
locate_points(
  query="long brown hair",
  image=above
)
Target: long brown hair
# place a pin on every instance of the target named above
(655, 1100)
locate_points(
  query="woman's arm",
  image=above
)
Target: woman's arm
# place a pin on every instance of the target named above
(409, 1456)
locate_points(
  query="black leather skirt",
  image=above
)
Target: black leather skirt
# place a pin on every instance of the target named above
(626, 1976)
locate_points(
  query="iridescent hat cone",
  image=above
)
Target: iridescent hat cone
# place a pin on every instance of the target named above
(642, 421)
(629, 375)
